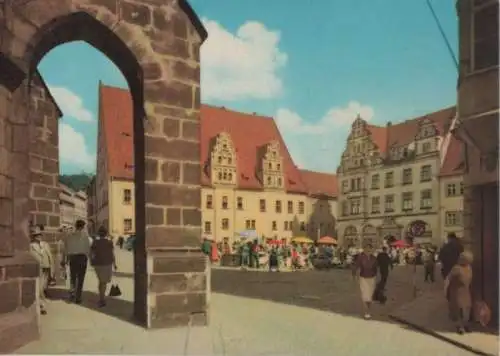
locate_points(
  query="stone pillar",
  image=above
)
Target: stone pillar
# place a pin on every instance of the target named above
(44, 163)
(18, 270)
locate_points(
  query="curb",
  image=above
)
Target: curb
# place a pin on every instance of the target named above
(441, 337)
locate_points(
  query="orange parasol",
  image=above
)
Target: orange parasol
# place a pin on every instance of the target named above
(327, 240)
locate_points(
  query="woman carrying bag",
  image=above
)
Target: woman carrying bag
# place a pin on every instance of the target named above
(103, 260)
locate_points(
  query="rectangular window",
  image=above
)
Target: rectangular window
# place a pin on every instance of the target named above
(485, 32)
(453, 218)
(426, 199)
(248, 224)
(375, 205)
(262, 205)
(290, 207)
(375, 181)
(301, 207)
(345, 186)
(355, 206)
(225, 224)
(239, 203)
(389, 179)
(451, 190)
(253, 224)
(345, 208)
(461, 188)
(407, 176)
(209, 203)
(278, 206)
(285, 226)
(127, 196)
(425, 173)
(389, 203)
(127, 225)
(407, 201)
(208, 227)
(274, 226)
(225, 203)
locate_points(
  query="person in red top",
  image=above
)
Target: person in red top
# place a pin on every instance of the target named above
(365, 271)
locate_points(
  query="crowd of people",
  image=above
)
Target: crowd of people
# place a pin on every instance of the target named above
(78, 248)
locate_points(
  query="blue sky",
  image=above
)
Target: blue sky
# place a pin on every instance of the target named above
(312, 69)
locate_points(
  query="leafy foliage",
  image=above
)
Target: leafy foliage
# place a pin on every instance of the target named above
(76, 181)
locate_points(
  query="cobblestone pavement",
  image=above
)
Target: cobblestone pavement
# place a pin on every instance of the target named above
(239, 325)
(333, 290)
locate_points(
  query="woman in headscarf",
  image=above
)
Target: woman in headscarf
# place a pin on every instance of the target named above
(458, 292)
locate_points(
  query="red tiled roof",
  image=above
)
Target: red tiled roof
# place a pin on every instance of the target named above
(116, 120)
(454, 161)
(404, 133)
(320, 183)
(248, 133)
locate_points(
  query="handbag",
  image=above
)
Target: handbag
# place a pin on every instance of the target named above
(115, 291)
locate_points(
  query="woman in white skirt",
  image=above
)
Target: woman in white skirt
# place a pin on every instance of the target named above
(365, 269)
(103, 261)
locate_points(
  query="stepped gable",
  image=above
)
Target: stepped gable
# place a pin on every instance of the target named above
(248, 133)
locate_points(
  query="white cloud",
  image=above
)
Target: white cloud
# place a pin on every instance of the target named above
(337, 116)
(243, 65)
(318, 145)
(70, 104)
(73, 149)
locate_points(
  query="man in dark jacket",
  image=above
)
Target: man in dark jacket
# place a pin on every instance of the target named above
(449, 254)
(384, 263)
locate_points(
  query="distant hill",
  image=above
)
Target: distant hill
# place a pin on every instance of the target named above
(76, 181)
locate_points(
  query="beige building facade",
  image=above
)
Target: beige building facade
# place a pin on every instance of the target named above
(72, 206)
(249, 180)
(389, 181)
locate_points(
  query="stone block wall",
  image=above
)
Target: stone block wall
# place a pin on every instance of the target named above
(156, 44)
(44, 161)
(18, 270)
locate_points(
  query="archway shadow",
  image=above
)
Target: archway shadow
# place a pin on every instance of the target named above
(115, 307)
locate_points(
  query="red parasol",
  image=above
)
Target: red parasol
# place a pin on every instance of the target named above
(399, 243)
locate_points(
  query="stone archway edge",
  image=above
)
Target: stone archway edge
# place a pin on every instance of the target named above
(156, 44)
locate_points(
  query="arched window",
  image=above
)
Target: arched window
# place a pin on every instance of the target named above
(225, 176)
(219, 159)
(270, 165)
(229, 160)
(229, 176)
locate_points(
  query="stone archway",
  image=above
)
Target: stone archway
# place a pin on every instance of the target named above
(369, 236)
(156, 45)
(351, 236)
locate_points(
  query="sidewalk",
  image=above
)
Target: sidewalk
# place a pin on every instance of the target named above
(429, 314)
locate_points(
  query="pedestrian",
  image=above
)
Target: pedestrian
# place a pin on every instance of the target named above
(76, 252)
(273, 260)
(384, 264)
(120, 241)
(458, 292)
(429, 266)
(449, 254)
(245, 255)
(41, 252)
(102, 258)
(365, 271)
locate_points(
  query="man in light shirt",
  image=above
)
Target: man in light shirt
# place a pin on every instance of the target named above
(76, 252)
